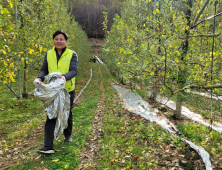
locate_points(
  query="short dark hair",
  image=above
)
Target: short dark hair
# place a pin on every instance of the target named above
(60, 32)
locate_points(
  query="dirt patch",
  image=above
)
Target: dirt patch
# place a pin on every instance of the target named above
(96, 45)
(96, 41)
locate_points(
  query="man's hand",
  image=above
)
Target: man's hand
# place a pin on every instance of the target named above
(63, 78)
(37, 81)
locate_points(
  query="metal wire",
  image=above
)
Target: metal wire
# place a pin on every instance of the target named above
(212, 64)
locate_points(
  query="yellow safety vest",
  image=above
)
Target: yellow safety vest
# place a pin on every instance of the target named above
(62, 66)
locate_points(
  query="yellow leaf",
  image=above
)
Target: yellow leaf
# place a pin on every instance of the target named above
(187, 27)
(31, 51)
(66, 166)
(22, 59)
(5, 63)
(40, 49)
(12, 65)
(157, 11)
(4, 52)
(152, 73)
(11, 5)
(55, 160)
(112, 160)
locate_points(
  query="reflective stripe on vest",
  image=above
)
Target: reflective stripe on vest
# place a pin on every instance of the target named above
(62, 66)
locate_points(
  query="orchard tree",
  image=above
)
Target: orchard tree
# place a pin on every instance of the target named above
(162, 39)
(8, 34)
(25, 42)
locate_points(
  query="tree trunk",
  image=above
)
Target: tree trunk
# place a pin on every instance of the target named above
(179, 103)
(178, 107)
(182, 70)
(25, 87)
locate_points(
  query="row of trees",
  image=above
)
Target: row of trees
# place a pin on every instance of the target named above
(89, 14)
(177, 41)
(26, 29)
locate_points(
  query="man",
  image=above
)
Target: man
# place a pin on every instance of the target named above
(63, 60)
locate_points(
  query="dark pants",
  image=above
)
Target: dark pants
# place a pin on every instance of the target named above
(50, 125)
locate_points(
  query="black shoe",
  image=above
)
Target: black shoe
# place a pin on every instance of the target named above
(46, 150)
(68, 139)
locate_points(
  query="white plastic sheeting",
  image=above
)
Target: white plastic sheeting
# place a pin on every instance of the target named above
(134, 103)
(189, 114)
(55, 98)
(204, 155)
(100, 61)
(206, 95)
(83, 87)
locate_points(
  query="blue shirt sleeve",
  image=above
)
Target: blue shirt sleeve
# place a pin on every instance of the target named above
(44, 70)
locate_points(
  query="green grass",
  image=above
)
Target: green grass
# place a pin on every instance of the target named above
(17, 116)
(209, 140)
(202, 105)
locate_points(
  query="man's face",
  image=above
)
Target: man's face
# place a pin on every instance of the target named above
(60, 42)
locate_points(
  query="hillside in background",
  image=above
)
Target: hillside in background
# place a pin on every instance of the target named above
(89, 14)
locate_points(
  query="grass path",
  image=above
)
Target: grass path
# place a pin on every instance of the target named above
(90, 156)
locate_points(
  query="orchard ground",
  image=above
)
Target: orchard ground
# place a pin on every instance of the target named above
(105, 134)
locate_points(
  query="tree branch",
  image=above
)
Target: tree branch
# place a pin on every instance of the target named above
(213, 16)
(206, 87)
(205, 35)
(201, 11)
(198, 64)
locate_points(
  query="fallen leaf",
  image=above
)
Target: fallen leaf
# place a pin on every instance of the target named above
(165, 146)
(135, 158)
(112, 160)
(55, 160)
(123, 135)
